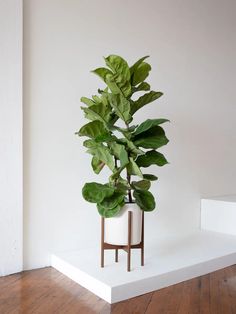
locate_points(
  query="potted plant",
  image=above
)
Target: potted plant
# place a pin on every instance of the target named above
(116, 142)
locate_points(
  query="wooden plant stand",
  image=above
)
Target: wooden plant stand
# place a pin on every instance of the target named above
(127, 248)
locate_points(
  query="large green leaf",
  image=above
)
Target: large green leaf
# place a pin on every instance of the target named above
(107, 212)
(101, 152)
(93, 129)
(119, 80)
(102, 73)
(151, 158)
(153, 138)
(120, 153)
(150, 177)
(141, 185)
(95, 192)
(134, 67)
(118, 66)
(141, 73)
(145, 200)
(121, 106)
(133, 168)
(97, 165)
(117, 85)
(149, 123)
(144, 100)
(97, 112)
(113, 200)
(87, 101)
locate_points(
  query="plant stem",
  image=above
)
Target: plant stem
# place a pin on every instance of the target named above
(116, 166)
(129, 191)
(129, 176)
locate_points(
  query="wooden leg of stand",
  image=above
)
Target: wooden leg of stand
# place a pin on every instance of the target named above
(102, 242)
(129, 239)
(116, 256)
(142, 241)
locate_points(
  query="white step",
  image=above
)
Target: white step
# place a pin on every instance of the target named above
(167, 261)
(219, 214)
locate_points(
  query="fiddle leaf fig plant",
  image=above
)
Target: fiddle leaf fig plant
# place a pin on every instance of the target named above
(116, 142)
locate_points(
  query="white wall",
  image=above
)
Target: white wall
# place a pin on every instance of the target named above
(192, 48)
(11, 209)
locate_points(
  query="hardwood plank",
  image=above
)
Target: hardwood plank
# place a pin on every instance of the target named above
(205, 295)
(159, 301)
(173, 306)
(214, 293)
(224, 304)
(194, 304)
(231, 286)
(185, 302)
(25, 291)
(46, 291)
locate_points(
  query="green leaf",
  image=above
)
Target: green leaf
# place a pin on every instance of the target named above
(144, 86)
(119, 81)
(97, 165)
(141, 73)
(151, 158)
(96, 99)
(120, 153)
(121, 106)
(122, 185)
(102, 73)
(144, 100)
(92, 129)
(145, 200)
(132, 149)
(118, 86)
(97, 112)
(141, 185)
(87, 101)
(118, 66)
(113, 200)
(150, 177)
(116, 174)
(153, 138)
(127, 132)
(133, 168)
(108, 213)
(95, 192)
(134, 67)
(149, 123)
(105, 137)
(101, 152)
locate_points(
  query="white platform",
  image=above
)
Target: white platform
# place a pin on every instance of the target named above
(219, 214)
(167, 261)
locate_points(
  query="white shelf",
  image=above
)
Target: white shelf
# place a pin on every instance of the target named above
(167, 261)
(219, 214)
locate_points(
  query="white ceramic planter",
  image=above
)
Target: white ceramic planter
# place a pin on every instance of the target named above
(116, 228)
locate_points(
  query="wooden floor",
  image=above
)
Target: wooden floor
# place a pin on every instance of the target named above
(47, 291)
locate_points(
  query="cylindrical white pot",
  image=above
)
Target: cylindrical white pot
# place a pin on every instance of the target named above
(116, 228)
